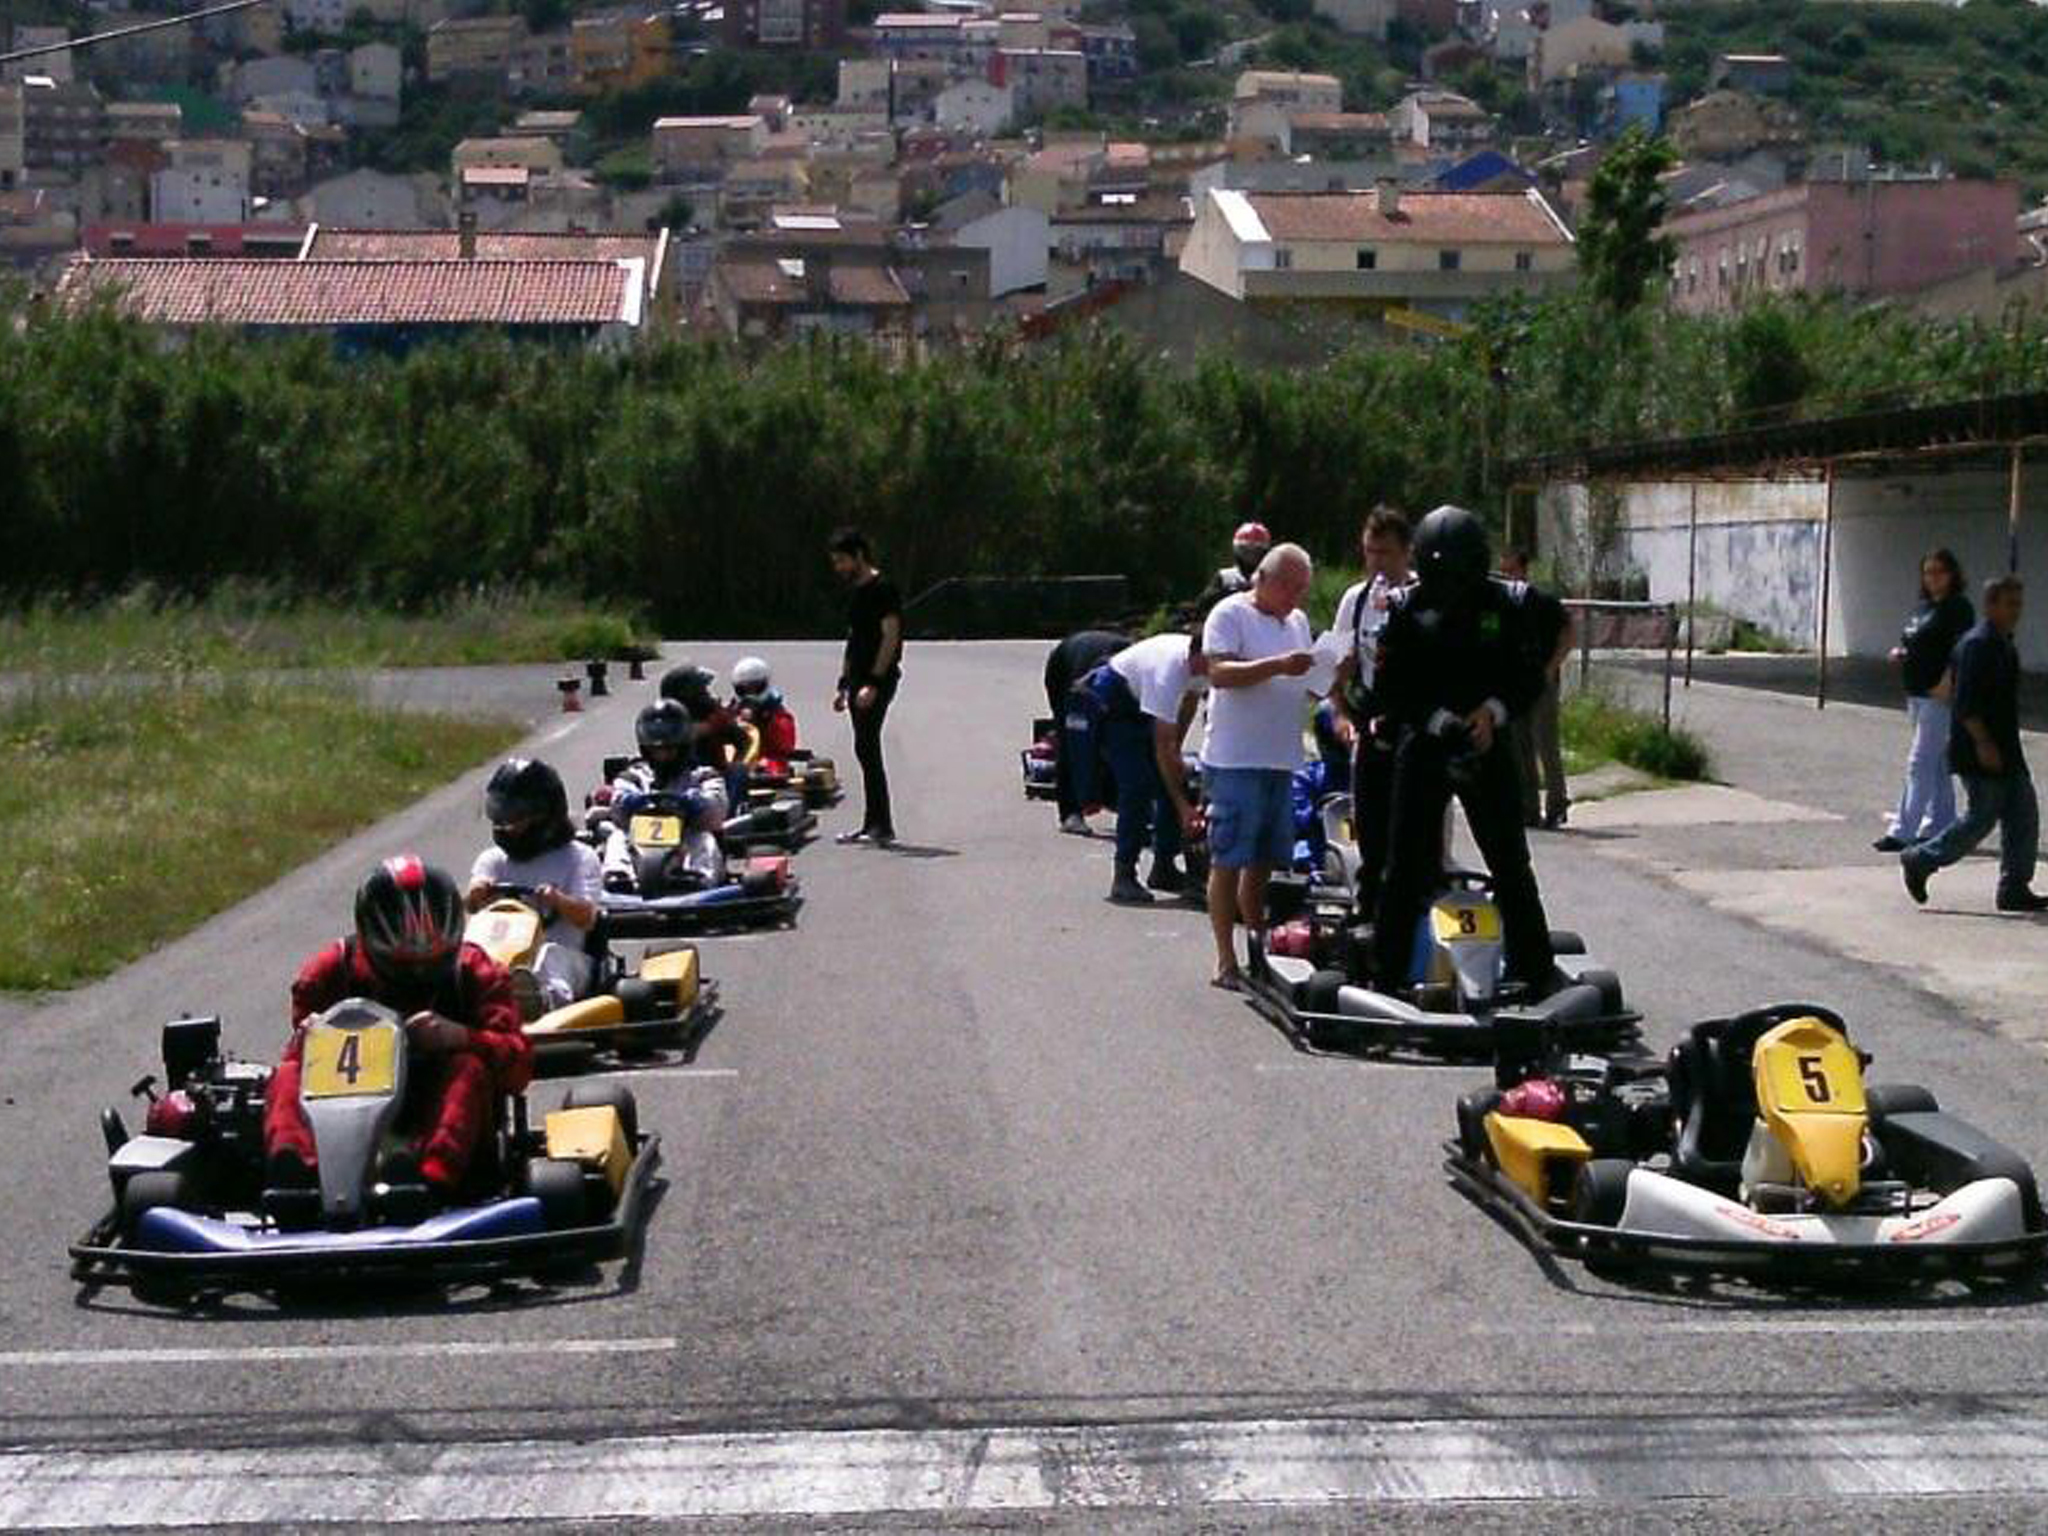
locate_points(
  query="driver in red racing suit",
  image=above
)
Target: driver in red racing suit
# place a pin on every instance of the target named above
(462, 1027)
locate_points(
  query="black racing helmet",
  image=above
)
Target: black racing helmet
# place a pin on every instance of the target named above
(663, 733)
(528, 808)
(409, 921)
(1452, 552)
(691, 686)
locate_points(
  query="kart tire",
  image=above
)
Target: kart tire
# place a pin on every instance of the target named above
(558, 1186)
(145, 1192)
(1608, 985)
(1600, 1191)
(1320, 993)
(607, 1096)
(1887, 1099)
(1473, 1108)
(1564, 942)
(640, 999)
(760, 882)
(113, 1130)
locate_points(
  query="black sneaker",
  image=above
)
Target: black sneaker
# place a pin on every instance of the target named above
(1165, 877)
(2022, 900)
(1915, 876)
(1125, 890)
(1890, 844)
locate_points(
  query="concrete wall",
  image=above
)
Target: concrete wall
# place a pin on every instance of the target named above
(1760, 547)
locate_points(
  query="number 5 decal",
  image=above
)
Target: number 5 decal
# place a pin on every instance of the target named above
(1815, 1076)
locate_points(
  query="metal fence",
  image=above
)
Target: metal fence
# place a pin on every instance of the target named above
(1621, 626)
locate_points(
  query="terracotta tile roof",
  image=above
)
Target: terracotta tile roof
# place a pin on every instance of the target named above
(767, 280)
(1434, 218)
(446, 245)
(325, 293)
(223, 240)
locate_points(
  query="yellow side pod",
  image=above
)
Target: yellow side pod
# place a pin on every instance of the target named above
(1540, 1156)
(591, 1013)
(1809, 1091)
(678, 966)
(594, 1137)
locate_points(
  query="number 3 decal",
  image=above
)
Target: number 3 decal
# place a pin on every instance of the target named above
(1815, 1077)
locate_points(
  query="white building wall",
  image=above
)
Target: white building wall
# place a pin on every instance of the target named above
(1019, 245)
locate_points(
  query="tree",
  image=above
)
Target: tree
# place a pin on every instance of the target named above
(1620, 248)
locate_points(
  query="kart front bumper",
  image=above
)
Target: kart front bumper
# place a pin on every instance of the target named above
(214, 1253)
(727, 907)
(1773, 1261)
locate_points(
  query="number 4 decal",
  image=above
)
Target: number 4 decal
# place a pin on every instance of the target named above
(1815, 1076)
(348, 1065)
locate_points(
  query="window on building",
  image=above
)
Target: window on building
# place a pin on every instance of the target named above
(1283, 259)
(1368, 258)
(1525, 261)
(1448, 261)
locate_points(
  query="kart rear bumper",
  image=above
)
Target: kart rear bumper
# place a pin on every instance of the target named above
(267, 1258)
(1405, 1028)
(634, 917)
(1773, 1260)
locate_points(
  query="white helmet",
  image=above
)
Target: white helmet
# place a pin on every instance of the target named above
(751, 675)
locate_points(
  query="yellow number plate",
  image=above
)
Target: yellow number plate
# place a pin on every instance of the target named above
(656, 831)
(349, 1063)
(1809, 1069)
(1476, 923)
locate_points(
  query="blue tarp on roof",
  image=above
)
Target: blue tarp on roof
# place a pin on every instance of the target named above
(1487, 166)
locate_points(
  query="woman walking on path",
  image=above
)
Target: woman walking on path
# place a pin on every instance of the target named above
(1927, 805)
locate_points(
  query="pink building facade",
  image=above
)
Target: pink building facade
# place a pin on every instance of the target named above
(1854, 237)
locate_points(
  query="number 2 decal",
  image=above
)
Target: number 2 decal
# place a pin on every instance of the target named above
(1815, 1077)
(348, 1064)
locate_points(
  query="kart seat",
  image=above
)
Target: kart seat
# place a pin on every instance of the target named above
(1713, 1094)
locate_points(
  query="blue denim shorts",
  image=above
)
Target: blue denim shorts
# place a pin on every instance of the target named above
(1251, 816)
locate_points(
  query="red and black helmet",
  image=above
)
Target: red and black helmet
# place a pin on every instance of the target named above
(409, 919)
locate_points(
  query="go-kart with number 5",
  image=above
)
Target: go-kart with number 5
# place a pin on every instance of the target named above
(193, 1210)
(1756, 1150)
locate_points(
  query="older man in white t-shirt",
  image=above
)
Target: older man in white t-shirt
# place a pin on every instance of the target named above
(1259, 647)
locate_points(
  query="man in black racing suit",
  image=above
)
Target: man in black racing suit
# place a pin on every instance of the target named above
(1457, 663)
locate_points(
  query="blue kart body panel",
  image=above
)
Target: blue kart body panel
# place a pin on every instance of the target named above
(166, 1230)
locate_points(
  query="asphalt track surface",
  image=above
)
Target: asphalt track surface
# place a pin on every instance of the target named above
(972, 1149)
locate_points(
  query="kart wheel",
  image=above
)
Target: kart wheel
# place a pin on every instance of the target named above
(1564, 942)
(607, 1096)
(112, 1130)
(1319, 994)
(1609, 987)
(1473, 1108)
(558, 1186)
(1601, 1191)
(640, 999)
(1887, 1099)
(760, 882)
(145, 1192)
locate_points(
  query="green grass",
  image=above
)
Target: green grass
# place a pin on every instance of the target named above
(130, 816)
(241, 626)
(1598, 730)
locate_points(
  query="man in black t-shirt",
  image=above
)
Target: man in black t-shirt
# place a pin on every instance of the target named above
(868, 675)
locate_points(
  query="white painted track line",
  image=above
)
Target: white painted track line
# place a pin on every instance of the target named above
(1012, 1470)
(268, 1354)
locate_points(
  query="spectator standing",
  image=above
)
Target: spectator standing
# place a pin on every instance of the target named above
(1248, 546)
(1984, 750)
(868, 675)
(1539, 749)
(1361, 615)
(1927, 805)
(1258, 645)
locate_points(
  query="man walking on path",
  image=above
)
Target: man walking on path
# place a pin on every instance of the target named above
(1258, 645)
(1984, 750)
(868, 675)
(1539, 751)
